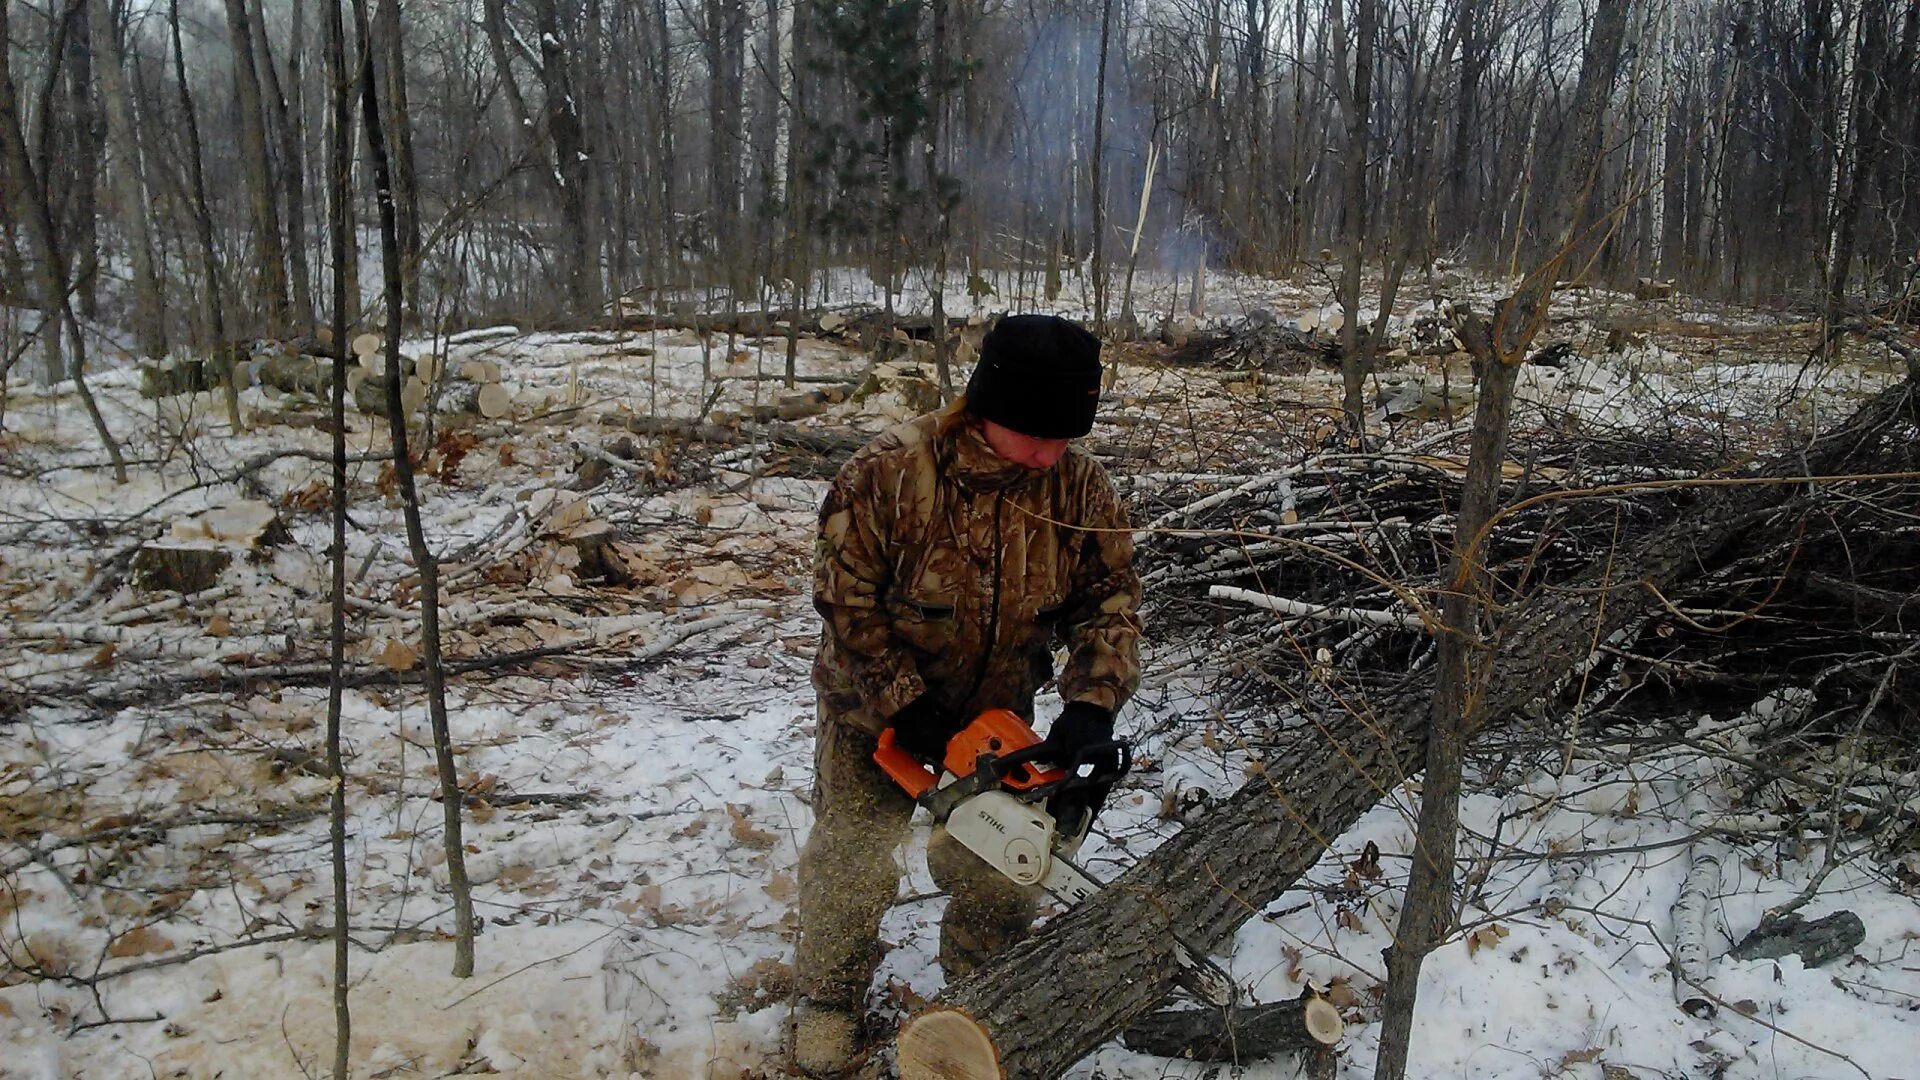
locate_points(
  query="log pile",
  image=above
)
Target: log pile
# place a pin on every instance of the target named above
(304, 366)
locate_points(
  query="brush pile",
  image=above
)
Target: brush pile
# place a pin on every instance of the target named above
(1316, 584)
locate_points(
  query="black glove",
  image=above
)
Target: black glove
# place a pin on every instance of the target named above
(1081, 724)
(924, 727)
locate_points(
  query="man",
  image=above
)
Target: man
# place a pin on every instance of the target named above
(953, 552)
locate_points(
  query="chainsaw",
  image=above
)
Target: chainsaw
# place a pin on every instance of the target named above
(995, 798)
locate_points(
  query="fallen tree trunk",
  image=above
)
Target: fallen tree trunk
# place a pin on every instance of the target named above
(1086, 976)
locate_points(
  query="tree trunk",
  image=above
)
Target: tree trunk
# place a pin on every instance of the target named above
(942, 208)
(203, 223)
(340, 224)
(423, 559)
(1096, 181)
(257, 166)
(1427, 915)
(129, 177)
(1084, 977)
(291, 179)
(571, 157)
(79, 219)
(1865, 138)
(1357, 103)
(391, 33)
(1498, 349)
(1575, 182)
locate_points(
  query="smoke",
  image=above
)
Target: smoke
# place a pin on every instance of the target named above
(1039, 158)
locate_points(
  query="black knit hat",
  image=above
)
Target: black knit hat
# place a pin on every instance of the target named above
(1039, 375)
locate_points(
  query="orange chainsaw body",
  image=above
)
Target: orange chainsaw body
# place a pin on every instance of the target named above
(996, 731)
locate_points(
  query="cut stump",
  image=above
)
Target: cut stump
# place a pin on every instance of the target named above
(182, 566)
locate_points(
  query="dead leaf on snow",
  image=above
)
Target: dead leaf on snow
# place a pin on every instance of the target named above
(1487, 936)
(399, 656)
(1340, 994)
(1579, 1057)
(745, 832)
(139, 941)
(219, 625)
(781, 887)
(102, 659)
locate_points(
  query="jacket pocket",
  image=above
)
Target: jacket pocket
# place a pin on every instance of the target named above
(928, 610)
(925, 621)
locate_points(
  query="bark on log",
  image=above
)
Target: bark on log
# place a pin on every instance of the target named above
(1087, 975)
(1816, 942)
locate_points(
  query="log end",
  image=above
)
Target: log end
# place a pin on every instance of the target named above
(1322, 1021)
(946, 1044)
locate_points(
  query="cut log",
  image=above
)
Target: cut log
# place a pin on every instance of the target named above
(366, 345)
(376, 365)
(489, 400)
(836, 446)
(175, 375)
(946, 1044)
(371, 395)
(553, 511)
(296, 374)
(479, 371)
(1084, 977)
(1249, 1034)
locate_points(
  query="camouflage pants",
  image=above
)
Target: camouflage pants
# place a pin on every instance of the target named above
(848, 878)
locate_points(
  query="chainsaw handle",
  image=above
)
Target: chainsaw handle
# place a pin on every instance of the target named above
(1095, 754)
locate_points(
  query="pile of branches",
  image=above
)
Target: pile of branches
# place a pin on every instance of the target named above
(1318, 582)
(1258, 345)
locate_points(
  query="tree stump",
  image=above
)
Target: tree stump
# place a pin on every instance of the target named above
(182, 566)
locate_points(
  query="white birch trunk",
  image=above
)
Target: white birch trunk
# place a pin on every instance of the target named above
(1690, 918)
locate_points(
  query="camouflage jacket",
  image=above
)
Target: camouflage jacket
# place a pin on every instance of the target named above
(941, 567)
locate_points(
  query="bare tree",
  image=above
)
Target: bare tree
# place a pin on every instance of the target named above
(424, 561)
(1499, 348)
(1354, 83)
(339, 233)
(203, 227)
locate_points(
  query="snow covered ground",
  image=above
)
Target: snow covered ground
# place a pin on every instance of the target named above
(633, 825)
